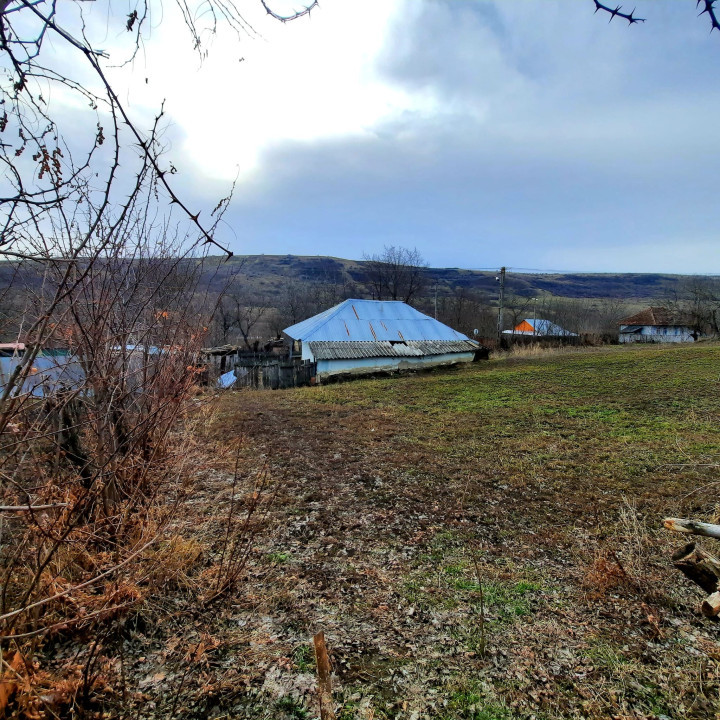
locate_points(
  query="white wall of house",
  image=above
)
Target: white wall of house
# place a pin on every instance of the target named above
(363, 366)
(656, 334)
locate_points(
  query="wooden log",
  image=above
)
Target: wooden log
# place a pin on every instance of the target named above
(322, 663)
(698, 566)
(693, 527)
(711, 605)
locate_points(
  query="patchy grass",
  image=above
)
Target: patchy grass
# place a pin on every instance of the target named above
(480, 543)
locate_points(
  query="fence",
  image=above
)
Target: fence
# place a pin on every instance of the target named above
(273, 373)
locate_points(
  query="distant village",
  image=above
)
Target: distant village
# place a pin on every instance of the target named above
(305, 332)
(360, 336)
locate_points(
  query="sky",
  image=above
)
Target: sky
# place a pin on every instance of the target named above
(526, 133)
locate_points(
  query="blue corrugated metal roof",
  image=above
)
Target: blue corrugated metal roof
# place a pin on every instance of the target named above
(372, 320)
(47, 374)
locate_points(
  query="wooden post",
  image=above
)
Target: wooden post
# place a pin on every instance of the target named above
(322, 663)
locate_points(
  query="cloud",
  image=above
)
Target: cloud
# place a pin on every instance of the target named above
(484, 133)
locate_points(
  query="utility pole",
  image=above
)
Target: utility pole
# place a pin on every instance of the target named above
(436, 301)
(535, 316)
(501, 305)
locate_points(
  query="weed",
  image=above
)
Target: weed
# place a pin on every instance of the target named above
(292, 708)
(278, 558)
(470, 701)
(510, 600)
(304, 658)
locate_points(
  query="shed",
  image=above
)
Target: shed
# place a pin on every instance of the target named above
(657, 325)
(364, 336)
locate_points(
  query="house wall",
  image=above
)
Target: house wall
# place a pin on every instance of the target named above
(364, 366)
(657, 334)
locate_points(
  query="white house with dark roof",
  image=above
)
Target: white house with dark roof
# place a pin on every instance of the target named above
(365, 336)
(656, 325)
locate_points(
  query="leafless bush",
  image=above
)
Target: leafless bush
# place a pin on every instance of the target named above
(93, 460)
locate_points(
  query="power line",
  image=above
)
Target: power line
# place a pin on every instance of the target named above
(553, 271)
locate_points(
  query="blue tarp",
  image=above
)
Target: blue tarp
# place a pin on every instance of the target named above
(226, 380)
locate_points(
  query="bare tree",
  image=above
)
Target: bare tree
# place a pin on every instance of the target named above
(467, 311)
(54, 181)
(517, 308)
(89, 452)
(397, 273)
(697, 303)
(238, 314)
(300, 300)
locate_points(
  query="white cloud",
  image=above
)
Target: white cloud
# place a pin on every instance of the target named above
(302, 81)
(505, 130)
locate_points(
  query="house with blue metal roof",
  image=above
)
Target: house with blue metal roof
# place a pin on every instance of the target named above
(539, 328)
(366, 336)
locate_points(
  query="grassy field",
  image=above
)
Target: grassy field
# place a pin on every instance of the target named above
(482, 543)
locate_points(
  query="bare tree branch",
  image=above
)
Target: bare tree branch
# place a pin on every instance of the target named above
(709, 8)
(294, 16)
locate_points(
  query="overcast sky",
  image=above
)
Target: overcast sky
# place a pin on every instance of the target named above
(526, 133)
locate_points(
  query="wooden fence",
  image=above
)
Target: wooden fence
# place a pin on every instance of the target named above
(273, 373)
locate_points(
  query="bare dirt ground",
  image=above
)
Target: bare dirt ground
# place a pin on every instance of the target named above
(481, 543)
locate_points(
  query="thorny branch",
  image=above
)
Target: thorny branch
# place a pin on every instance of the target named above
(54, 187)
(293, 16)
(630, 17)
(708, 7)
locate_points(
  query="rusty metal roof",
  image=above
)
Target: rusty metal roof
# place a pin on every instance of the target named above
(657, 316)
(354, 350)
(371, 321)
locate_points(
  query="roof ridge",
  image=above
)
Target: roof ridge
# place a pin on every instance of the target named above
(328, 317)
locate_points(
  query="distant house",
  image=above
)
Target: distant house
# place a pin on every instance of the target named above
(655, 325)
(364, 336)
(539, 328)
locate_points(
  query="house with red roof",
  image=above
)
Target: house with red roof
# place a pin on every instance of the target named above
(657, 325)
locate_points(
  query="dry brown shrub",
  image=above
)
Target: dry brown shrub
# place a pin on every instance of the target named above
(604, 575)
(99, 473)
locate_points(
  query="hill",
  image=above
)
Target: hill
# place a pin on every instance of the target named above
(267, 274)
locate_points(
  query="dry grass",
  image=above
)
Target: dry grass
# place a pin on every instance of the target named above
(483, 543)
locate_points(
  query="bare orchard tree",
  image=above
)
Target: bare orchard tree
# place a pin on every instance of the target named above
(397, 273)
(700, 304)
(467, 310)
(239, 314)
